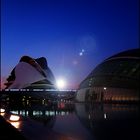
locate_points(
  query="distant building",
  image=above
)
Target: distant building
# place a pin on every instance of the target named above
(116, 79)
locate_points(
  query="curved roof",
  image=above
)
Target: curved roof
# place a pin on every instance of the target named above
(120, 70)
(30, 70)
(133, 53)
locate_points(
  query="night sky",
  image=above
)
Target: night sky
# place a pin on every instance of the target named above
(74, 35)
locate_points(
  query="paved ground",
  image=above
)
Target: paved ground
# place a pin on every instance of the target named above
(7, 131)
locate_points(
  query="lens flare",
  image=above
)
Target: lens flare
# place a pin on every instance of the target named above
(61, 83)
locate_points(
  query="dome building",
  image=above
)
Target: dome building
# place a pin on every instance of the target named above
(116, 79)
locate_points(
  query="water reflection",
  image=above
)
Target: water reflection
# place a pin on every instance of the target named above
(98, 121)
(39, 112)
(110, 121)
(2, 113)
(16, 124)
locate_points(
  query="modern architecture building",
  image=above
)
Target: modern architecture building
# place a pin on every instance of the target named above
(116, 79)
(31, 73)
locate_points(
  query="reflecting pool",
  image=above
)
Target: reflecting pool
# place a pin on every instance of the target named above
(75, 121)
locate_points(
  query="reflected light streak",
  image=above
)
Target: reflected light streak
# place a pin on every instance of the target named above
(16, 124)
(104, 115)
(2, 113)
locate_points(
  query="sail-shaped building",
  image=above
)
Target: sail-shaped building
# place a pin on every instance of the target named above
(31, 73)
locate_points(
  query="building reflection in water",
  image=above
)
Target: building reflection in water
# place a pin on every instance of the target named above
(102, 121)
(16, 124)
(39, 112)
(110, 121)
(13, 118)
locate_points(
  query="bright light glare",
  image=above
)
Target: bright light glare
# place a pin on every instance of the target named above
(14, 118)
(104, 116)
(15, 124)
(2, 113)
(2, 110)
(61, 83)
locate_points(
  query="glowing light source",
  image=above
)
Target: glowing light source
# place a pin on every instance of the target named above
(81, 53)
(15, 124)
(14, 118)
(83, 50)
(105, 116)
(61, 83)
(2, 110)
(2, 113)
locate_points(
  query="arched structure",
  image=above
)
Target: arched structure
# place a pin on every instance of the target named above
(116, 79)
(31, 73)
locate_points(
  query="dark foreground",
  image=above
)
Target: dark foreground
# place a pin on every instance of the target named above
(70, 121)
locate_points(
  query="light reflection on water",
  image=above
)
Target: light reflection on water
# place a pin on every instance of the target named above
(110, 121)
(102, 121)
(16, 124)
(40, 113)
